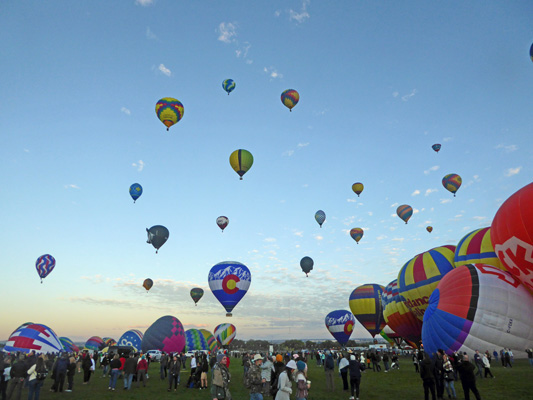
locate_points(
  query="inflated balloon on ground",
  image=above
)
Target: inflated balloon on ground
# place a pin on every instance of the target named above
(166, 334)
(365, 304)
(33, 337)
(133, 338)
(195, 340)
(94, 343)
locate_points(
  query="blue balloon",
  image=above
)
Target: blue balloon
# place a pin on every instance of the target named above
(33, 337)
(132, 338)
(166, 334)
(340, 324)
(229, 281)
(44, 265)
(228, 85)
(320, 217)
(135, 191)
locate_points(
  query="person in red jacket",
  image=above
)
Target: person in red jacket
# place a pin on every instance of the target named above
(142, 367)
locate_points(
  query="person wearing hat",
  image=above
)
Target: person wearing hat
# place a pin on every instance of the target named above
(220, 379)
(285, 381)
(254, 380)
(278, 367)
(302, 384)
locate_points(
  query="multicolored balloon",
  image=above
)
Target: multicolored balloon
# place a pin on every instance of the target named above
(196, 294)
(320, 217)
(340, 324)
(222, 222)
(68, 345)
(306, 263)
(429, 229)
(390, 336)
(44, 265)
(436, 147)
(131, 338)
(512, 235)
(365, 303)
(452, 183)
(166, 334)
(358, 188)
(404, 212)
(225, 333)
(229, 281)
(109, 342)
(195, 340)
(478, 307)
(169, 111)
(228, 85)
(147, 284)
(157, 236)
(94, 343)
(290, 98)
(420, 276)
(356, 234)
(476, 248)
(33, 337)
(531, 52)
(212, 344)
(241, 161)
(135, 191)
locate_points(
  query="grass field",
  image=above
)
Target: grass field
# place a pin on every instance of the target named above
(515, 383)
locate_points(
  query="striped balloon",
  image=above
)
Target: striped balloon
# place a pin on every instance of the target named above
(109, 341)
(404, 212)
(195, 340)
(290, 98)
(212, 344)
(225, 333)
(365, 303)
(68, 345)
(420, 276)
(169, 111)
(44, 265)
(241, 161)
(452, 183)
(33, 337)
(356, 234)
(476, 248)
(95, 343)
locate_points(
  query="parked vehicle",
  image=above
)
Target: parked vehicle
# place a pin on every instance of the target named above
(155, 355)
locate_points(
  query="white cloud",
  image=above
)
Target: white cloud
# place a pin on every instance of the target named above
(381, 237)
(407, 97)
(277, 13)
(227, 32)
(351, 200)
(432, 169)
(72, 186)
(26, 151)
(270, 240)
(150, 34)
(415, 193)
(318, 237)
(444, 201)
(479, 218)
(139, 165)
(512, 171)
(288, 153)
(243, 50)
(370, 213)
(416, 210)
(429, 191)
(144, 3)
(447, 139)
(303, 144)
(272, 72)
(398, 240)
(125, 111)
(299, 234)
(164, 70)
(302, 15)
(395, 94)
(507, 148)
(395, 205)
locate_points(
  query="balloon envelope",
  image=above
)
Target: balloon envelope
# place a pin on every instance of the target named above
(148, 283)
(68, 345)
(33, 337)
(358, 188)
(356, 234)
(476, 248)
(290, 98)
(195, 340)
(135, 191)
(531, 52)
(340, 324)
(228, 85)
(131, 338)
(44, 265)
(225, 333)
(212, 344)
(169, 111)
(197, 294)
(436, 147)
(157, 236)
(109, 341)
(241, 161)
(404, 212)
(306, 263)
(478, 307)
(365, 303)
(320, 217)
(452, 183)
(94, 343)
(222, 222)
(420, 276)
(166, 334)
(429, 229)
(229, 281)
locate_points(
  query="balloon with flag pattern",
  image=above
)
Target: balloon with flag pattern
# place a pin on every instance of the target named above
(365, 304)
(229, 281)
(340, 324)
(33, 337)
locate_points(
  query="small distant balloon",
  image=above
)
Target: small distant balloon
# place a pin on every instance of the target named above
(222, 222)
(197, 294)
(404, 212)
(452, 183)
(44, 265)
(531, 52)
(436, 147)
(356, 234)
(169, 111)
(228, 85)
(358, 188)
(290, 98)
(241, 161)
(306, 264)
(148, 283)
(135, 191)
(429, 229)
(157, 236)
(320, 217)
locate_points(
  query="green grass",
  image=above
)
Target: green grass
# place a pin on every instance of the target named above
(515, 383)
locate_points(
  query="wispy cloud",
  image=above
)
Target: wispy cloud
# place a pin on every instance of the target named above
(243, 50)
(272, 72)
(227, 32)
(139, 165)
(395, 94)
(303, 144)
(512, 171)
(302, 15)
(444, 201)
(149, 34)
(270, 240)
(447, 139)
(429, 191)
(164, 70)
(507, 148)
(125, 111)
(415, 193)
(318, 237)
(299, 234)
(72, 186)
(480, 218)
(144, 3)
(432, 169)
(408, 97)
(288, 153)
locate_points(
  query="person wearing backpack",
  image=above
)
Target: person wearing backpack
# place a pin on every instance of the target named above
(36, 376)
(220, 379)
(253, 380)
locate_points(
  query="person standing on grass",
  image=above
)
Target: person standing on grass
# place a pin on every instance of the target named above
(71, 371)
(479, 364)
(34, 384)
(415, 362)
(60, 373)
(427, 373)
(343, 369)
(220, 379)
(174, 373)
(285, 381)
(355, 368)
(329, 368)
(86, 365)
(439, 373)
(255, 379)
(486, 364)
(17, 374)
(386, 361)
(266, 374)
(114, 371)
(302, 386)
(142, 368)
(529, 356)
(449, 377)
(468, 379)
(130, 369)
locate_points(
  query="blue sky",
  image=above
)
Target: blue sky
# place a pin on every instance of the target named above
(379, 83)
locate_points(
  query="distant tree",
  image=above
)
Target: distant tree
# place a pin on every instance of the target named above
(237, 344)
(309, 345)
(328, 344)
(293, 345)
(351, 343)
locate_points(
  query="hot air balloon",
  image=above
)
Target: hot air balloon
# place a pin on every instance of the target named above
(356, 234)
(169, 111)
(340, 324)
(68, 345)
(212, 344)
(94, 343)
(109, 342)
(531, 52)
(33, 337)
(398, 316)
(195, 340)
(478, 307)
(241, 161)
(420, 276)
(320, 217)
(135, 191)
(222, 222)
(166, 334)
(157, 236)
(365, 303)
(147, 284)
(452, 183)
(290, 98)
(131, 338)
(436, 147)
(390, 336)
(229, 281)
(429, 229)
(44, 265)
(476, 248)
(306, 264)
(224, 334)
(196, 294)
(228, 85)
(404, 212)
(358, 188)
(512, 235)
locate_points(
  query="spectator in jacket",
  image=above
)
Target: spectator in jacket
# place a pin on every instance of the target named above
(60, 373)
(34, 384)
(130, 369)
(355, 368)
(71, 371)
(114, 367)
(468, 379)
(17, 374)
(329, 368)
(142, 367)
(174, 372)
(427, 373)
